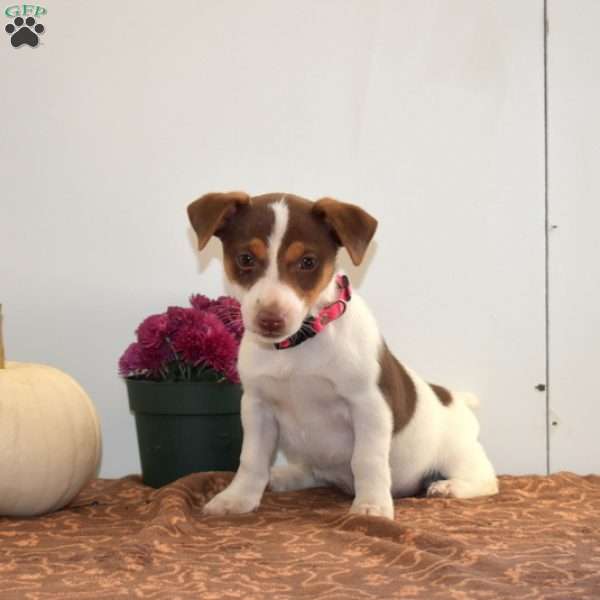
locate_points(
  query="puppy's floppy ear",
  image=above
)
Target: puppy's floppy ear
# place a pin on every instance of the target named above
(210, 212)
(353, 227)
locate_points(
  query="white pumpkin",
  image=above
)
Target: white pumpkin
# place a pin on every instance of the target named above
(49, 439)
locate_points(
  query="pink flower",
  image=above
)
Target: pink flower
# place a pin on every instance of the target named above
(137, 360)
(131, 361)
(200, 302)
(177, 317)
(197, 343)
(229, 311)
(152, 332)
(202, 339)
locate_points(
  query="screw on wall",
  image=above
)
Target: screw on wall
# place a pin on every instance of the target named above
(540, 387)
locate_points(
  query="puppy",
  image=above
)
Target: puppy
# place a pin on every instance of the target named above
(319, 381)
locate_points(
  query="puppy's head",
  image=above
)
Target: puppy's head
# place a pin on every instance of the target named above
(279, 252)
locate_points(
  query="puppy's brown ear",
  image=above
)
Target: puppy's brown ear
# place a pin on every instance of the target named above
(209, 213)
(353, 227)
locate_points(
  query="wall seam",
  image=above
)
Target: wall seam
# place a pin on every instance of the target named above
(546, 242)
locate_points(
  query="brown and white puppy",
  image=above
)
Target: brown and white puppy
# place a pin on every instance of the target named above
(339, 405)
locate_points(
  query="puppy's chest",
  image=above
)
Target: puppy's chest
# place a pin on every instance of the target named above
(314, 422)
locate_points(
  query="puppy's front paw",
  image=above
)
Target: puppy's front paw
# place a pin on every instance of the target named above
(230, 504)
(384, 508)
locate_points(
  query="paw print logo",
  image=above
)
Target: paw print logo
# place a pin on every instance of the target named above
(24, 32)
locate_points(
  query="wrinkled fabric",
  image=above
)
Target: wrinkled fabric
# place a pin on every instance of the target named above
(539, 538)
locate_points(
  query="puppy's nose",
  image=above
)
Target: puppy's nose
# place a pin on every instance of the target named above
(270, 321)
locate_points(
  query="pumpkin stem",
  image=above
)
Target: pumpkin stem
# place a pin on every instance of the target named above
(2, 365)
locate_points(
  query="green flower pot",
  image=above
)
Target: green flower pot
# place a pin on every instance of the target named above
(185, 427)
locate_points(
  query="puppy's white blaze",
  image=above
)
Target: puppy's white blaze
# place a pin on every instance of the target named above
(282, 215)
(269, 290)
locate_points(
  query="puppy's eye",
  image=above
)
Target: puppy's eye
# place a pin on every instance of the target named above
(308, 263)
(245, 261)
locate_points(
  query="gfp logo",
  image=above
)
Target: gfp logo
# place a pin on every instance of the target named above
(24, 29)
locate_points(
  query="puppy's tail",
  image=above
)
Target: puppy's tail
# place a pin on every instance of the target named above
(471, 400)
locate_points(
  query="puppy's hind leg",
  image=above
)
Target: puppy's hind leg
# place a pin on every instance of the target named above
(291, 477)
(468, 473)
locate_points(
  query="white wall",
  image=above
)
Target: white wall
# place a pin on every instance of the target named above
(430, 115)
(573, 195)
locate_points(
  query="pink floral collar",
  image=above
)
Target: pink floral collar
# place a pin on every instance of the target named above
(313, 325)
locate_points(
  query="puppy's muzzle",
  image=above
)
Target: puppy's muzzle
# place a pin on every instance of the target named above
(270, 323)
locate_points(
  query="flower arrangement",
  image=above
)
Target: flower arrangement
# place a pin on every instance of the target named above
(199, 343)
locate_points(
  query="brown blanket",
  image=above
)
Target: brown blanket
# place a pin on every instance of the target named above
(539, 538)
